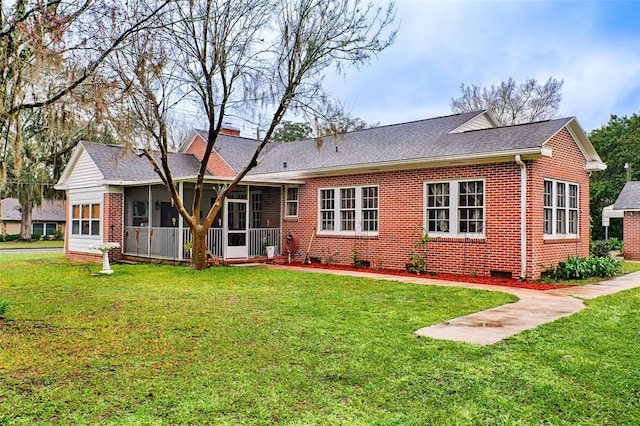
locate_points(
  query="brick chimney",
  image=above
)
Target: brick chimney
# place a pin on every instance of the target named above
(228, 129)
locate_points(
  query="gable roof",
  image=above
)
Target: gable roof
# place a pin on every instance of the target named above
(119, 164)
(629, 198)
(418, 143)
(235, 150)
(50, 211)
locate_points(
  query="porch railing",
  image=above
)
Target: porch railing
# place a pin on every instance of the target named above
(163, 243)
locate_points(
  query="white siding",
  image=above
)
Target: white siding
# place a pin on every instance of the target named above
(477, 123)
(85, 173)
(93, 195)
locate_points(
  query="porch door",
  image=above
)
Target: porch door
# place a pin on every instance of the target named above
(237, 212)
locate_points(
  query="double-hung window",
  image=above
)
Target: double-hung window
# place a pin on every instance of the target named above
(85, 219)
(455, 208)
(560, 212)
(291, 203)
(348, 210)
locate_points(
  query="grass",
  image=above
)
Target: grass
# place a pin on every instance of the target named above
(31, 244)
(167, 345)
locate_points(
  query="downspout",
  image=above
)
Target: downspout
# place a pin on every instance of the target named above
(523, 217)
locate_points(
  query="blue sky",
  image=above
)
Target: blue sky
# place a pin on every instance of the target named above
(594, 46)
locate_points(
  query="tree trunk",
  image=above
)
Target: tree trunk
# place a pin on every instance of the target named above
(26, 210)
(199, 249)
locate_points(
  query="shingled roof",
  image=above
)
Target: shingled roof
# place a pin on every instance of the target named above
(425, 139)
(120, 163)
(629, 198)
(236, 150)
(49, 211)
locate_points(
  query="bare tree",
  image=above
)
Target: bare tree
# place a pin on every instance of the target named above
(241, 59)
(510, 102)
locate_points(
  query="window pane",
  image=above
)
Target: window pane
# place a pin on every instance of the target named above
(560, 195)
(548, 197)
(85, 211)
(573, 221)
(470, 197)
(438, 220)
(327, 213)
(50, 228)
(370, 208)
(347, 209)
(573, 196)
(38, 228)
(85, 227)
(548, 221)
(75, 212)
(95, 211)
(95, 227)
(75, 227)
(561, 221)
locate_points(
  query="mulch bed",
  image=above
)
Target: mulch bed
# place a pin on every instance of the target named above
(505, 282)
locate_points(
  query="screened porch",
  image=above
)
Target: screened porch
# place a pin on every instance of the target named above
(249, 221)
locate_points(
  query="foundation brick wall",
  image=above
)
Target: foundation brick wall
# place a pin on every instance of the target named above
(631, 235)
(401, 204)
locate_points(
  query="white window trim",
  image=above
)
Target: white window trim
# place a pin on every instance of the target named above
(336, 209)
(100, 220)
(287, 201)
(454, 225)
(554, 201)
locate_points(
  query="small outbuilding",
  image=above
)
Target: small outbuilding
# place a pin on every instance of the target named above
(629, 202)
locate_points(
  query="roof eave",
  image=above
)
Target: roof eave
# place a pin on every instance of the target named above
(457, 160)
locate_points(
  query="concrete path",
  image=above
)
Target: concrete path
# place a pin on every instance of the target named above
(533, 307)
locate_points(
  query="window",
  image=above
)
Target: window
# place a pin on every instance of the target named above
(560, 208)
(291, 203)
(42, 228)
(256, 210)
(85, 219)
(141, 213)
(355, 210)
(455, 209)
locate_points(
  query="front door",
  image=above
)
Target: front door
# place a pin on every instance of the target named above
(237, 247)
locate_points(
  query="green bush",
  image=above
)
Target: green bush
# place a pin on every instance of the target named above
(9, 237)
(578, 268)
(36, 237)
(58, 235)
(601, 248)
(3, 307)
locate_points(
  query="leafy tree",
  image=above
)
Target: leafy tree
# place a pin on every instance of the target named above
(289, 131)
(510, 102)
(618, 143)
(49, 49)
(250, 59)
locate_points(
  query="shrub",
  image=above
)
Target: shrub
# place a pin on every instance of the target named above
(9, 237)
(36, 237)
(58, 235)
(601, 248)
(578, 268)
(3, 307)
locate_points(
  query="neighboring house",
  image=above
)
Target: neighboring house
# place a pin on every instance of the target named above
(628, 202)
(46, 219)
(495, 200)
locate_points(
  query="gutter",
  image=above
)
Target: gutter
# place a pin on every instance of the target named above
(523, 217)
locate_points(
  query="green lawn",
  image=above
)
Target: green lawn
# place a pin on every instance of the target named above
(167, 345)
(31, 244)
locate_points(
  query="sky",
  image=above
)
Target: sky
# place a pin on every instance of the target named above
(594, 46)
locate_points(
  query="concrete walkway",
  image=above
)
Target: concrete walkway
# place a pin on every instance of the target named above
(533, 307)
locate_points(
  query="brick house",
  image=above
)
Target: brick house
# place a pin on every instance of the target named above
(501, 200)
(628, 202)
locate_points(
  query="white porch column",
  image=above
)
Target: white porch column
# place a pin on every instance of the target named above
(180, 224)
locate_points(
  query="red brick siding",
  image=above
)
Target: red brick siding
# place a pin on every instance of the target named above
(113, 216)
(631, 235)
(401, 216)
(79, 256)
(401, 212)
(216, 164)
(567, 164)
